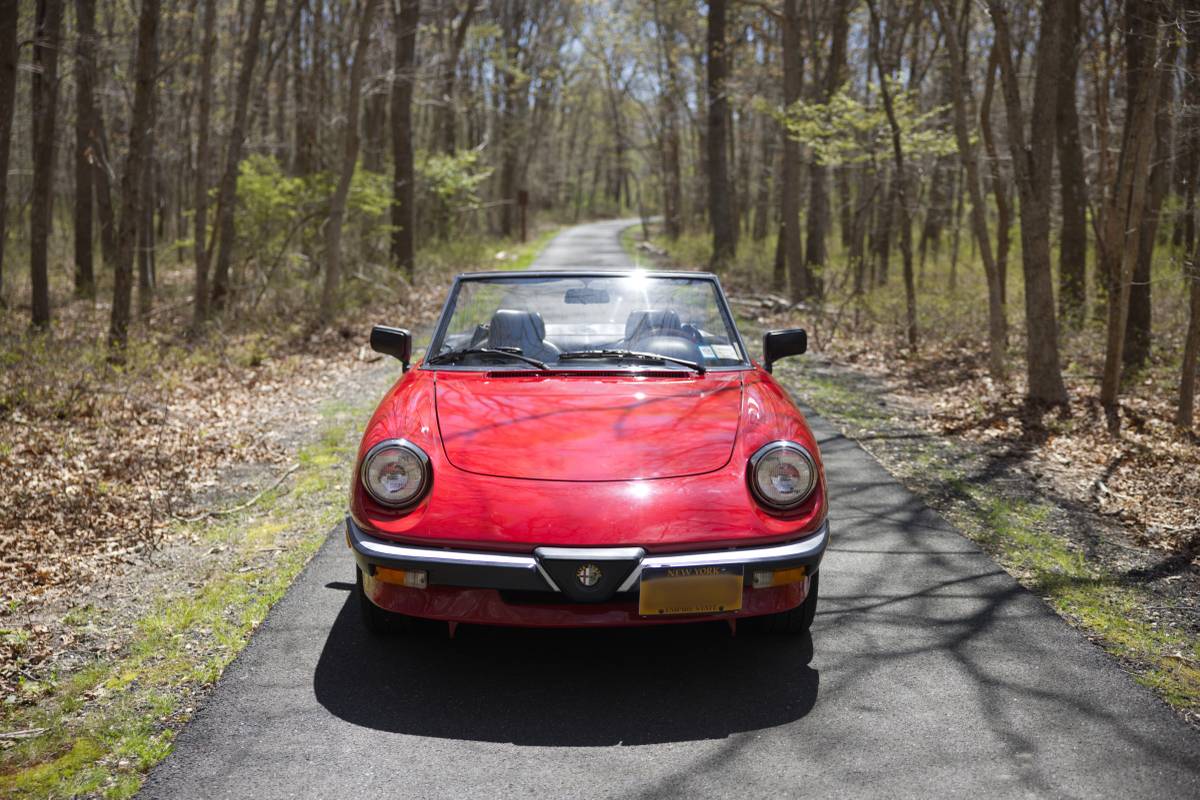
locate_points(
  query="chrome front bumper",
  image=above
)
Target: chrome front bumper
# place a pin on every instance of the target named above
(484, 570)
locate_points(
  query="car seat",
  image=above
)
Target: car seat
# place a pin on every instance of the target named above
(524, 330)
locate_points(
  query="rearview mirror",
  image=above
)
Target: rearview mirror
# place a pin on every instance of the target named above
(781, 344)
(395, 342)
(586, 296)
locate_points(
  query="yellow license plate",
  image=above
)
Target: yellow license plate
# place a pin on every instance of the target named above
(690, 590)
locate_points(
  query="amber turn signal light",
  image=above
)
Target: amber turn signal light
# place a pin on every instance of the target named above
(779, 577)
(412, 578)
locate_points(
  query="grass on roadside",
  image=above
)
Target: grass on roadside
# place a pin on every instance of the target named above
(106, 725)
(631, 238)
(523, 255)
(1113, 613)
(1018, 533)
(480, 253)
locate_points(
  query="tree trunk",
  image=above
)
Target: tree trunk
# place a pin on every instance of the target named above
(941, 185)
(304, 154)
(47, 43)
(1190, 138)
(284, 152)
(145, 231)
(969, 155)
(720, 210)
(901, 180)
(512, 83)
(279, 31)
(881, 238)
(1103, 80)
(789, 189)
(104, 178)
(673, 190)
(200, 247)
(8, 92)
(762, 197)
(1137, 331)
(820, 216)
(956, 194)
(731, 164)
(868, 185)
(1126, 204)
(999, 184)
(374, 126)
(447, 111)
(132, 200)
(1033, 164)
(337, 203)
(1191, 349)
(404, 213)
(841, 178)
(672, 171)
(85, 71)
(1072, 252)
(1185, 412)
(227, 192)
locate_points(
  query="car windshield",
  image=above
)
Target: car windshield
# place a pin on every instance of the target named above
(580, 321)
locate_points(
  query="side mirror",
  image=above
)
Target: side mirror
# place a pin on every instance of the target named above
(781, 344)
(395, 342)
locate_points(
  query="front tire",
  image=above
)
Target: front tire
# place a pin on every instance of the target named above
(796, 620)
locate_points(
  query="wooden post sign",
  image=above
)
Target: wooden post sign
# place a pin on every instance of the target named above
(523, 202)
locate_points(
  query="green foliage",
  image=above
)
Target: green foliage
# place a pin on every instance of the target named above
(448, 185)
(278, 214)
(279, 220)
(269, 201)
(847, 131)
(370, 195)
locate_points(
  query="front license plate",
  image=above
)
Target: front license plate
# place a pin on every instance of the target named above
(690, 590)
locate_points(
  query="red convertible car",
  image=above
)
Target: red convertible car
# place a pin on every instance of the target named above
(584, 448)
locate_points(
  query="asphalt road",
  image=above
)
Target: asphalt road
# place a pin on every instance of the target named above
(929, 672)
(594, 245)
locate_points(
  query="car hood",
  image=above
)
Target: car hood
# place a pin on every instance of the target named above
(578, 428)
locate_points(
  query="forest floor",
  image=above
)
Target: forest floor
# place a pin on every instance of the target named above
(154, 510)
(1106, 529)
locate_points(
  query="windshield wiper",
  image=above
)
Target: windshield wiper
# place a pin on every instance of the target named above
(632, 355)
(454, 356)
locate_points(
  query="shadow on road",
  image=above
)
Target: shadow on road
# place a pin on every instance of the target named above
(568, 688)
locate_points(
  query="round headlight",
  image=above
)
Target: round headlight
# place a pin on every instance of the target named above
(395, 473)
(782, 474)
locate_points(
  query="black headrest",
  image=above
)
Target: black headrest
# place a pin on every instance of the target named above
(511, 328)
(650, 320)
